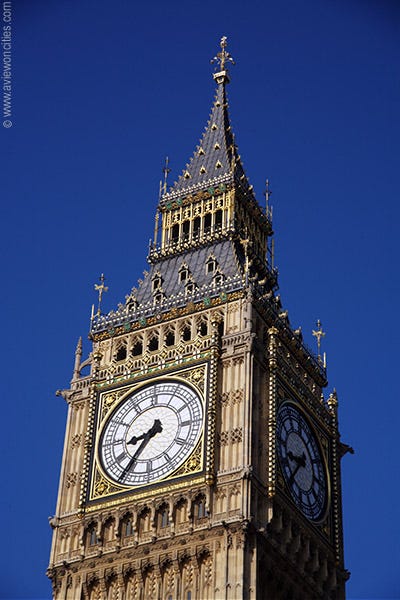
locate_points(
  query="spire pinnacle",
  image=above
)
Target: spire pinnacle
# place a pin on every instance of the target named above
(216, 160)
(222, 57)
(319, 334)
(100, 289)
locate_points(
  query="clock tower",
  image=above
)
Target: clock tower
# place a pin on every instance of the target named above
(201, 457)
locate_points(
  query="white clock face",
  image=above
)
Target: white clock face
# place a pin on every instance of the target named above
(151, 433)
(301, 461)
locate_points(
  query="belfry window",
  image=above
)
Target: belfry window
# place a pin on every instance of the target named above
(186, 334)
(170, 338)
(185, 229)
(196, 227)
(218, 218)
(153, 343)
(175, 232)
(121, 353)
(137, 349)
(207, 223)
(203, 329)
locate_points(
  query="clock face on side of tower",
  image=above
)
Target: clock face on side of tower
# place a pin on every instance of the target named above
(302, 462)
(151, 433)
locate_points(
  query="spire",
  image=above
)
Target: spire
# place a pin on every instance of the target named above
(78, 357)
(216, 160)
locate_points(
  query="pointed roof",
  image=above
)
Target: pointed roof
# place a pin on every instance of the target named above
(216, 159)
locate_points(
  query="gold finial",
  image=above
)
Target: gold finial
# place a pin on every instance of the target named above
(319, 334)
(100, 288)
(222, 58)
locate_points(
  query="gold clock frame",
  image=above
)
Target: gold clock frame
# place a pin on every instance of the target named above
(322, 442)
(102, 487)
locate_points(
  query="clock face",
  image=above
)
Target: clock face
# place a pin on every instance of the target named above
(302, 462)
(151, 433)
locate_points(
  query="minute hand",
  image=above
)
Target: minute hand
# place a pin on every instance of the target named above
(130, 464)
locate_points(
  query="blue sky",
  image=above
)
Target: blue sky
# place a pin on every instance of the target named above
(102, 92)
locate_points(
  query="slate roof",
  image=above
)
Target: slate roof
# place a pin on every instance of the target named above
(216, 159)
(227, 263)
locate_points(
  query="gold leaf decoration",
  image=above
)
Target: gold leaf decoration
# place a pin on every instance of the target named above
(195, 376)
(102, 487)
(108, 401)
(193, 463)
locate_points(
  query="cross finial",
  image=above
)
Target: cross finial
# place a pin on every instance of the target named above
(222, 58)
(100, 288)
(319, 334)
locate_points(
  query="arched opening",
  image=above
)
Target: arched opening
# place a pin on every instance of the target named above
(186, 334)
(196, 227)
(199, 508)
(92, 535)
(153, 343)
(162, 517)
(121, 353)
(186, 229)
(137, 349)
(127, 527)
(170, 338)
(203, 328)
(175, 232)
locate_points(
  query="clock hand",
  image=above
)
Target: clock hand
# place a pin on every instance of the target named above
(146, 437)
(156, 428)
(300, 460)
(292, 476)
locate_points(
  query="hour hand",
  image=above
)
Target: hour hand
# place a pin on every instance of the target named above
(134, 440)
(155, 428)
(300, 460)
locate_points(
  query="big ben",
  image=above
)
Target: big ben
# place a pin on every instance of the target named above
(202, 455)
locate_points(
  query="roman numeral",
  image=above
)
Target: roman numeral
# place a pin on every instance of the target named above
(121, 457)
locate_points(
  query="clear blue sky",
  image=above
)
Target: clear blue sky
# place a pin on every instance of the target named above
(102, 91)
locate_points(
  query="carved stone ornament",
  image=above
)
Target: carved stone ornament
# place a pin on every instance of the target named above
(76, 440)
(71, 479)
(195, 376)
(102, 487)
(109, 400)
